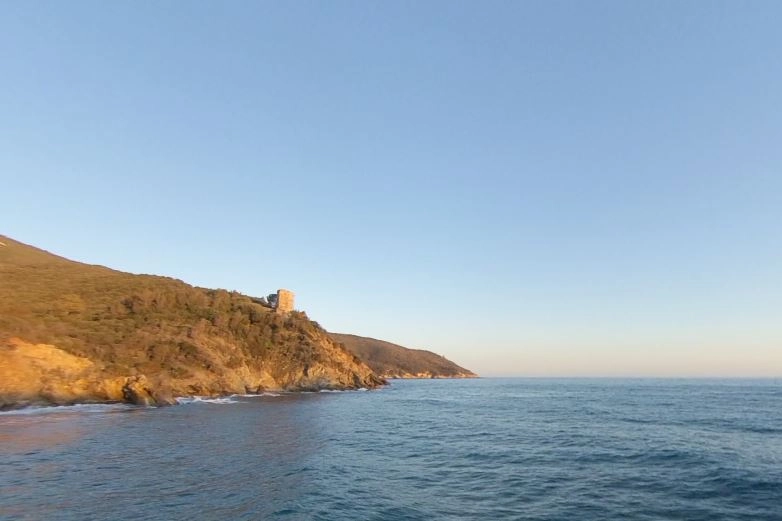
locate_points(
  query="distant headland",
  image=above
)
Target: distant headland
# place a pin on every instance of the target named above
(394, 361)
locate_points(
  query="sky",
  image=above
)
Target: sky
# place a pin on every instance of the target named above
(529, 188)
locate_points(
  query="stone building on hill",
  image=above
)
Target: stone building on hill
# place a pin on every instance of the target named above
(284, 301)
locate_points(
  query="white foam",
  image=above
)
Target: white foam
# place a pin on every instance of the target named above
(77, 408)
(342, 390)
(185, 400)
(253, 395)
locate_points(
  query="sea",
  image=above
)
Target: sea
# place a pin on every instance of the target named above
(488, 449)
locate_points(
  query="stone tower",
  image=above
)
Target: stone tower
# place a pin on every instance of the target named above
(284, 301)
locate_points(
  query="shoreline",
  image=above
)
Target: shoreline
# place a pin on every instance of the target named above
(177, 401)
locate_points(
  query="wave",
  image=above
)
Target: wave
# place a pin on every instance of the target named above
(342, 390)
(187, 400)
(76, 408)
(254, 395)
(222, 400)
(235, 398)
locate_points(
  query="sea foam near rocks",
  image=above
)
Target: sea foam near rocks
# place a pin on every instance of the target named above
(187, 400)
(77, 408)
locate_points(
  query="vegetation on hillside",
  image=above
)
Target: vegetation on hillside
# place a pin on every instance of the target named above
(394, 361)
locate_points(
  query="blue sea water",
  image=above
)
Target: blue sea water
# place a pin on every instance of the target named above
(496, 449)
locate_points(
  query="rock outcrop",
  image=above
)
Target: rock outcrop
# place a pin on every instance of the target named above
(140, 391)
(41, 374)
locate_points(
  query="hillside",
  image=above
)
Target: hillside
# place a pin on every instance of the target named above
(394, 361)
(73, 332)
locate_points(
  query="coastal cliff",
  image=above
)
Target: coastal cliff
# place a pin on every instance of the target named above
(73, 332)
(395, 361)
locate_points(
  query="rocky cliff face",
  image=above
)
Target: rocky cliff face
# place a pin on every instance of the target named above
(41, 374)
(71, 332)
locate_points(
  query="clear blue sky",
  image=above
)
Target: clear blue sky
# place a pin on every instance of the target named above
(529, 188)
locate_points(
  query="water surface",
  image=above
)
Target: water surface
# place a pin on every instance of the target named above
(532, 449)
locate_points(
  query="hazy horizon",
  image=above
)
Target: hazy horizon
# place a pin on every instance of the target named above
(531, 188)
